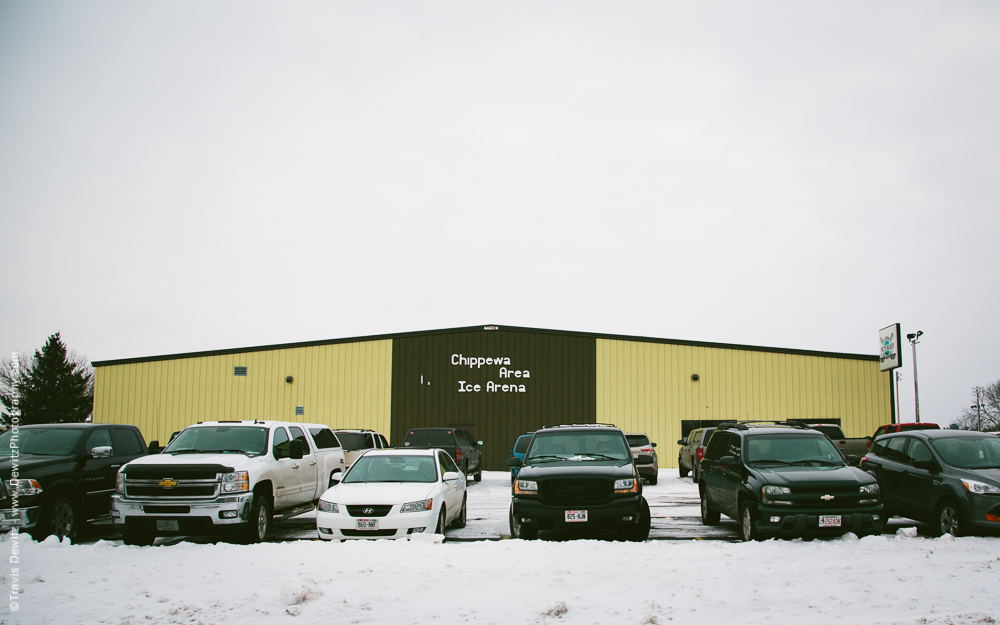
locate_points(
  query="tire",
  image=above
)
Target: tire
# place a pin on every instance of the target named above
(519, 531)
(513, 478)
(948, 520)
(748, 530)
(478, 477)
(139, 539)
(441, 521)
(708, 515)
(60, 517)
(460, 521)
(694, 474)
(680, 468)
(652, 479)
(640, 532)
(260, 520)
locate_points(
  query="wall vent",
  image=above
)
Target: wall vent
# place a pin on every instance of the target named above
(239, 370)
(300, 410)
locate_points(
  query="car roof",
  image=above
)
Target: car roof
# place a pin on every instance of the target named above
(73, 426)
(935, 433)
(579, 427)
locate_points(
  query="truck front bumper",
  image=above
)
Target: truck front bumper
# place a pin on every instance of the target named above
(781, 522)
(21, 518)
(223, 515)
(619, 512)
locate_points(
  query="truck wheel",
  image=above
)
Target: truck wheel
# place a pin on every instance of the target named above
(478, 477)
(949, 520)
(640, 531)
(708, 515)
(652, 479)
(140, 539)
(460, 521)
(680, 468)
(60, 517)
(519, 531)
(746, 521)
(260, 520)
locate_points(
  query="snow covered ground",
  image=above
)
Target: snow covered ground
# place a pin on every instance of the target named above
(899, 578)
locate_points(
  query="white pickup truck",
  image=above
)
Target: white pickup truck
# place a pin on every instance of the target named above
(229, 478)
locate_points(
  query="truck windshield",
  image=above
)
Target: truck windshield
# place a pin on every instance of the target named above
(783, 449)
(392, 469)
(219, 439)
(969, 452)
(39, 441)
(578, 446)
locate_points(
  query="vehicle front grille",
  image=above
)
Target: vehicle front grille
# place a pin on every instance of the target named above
(575, 490)
(188, 472)
(177, 492)
(831, 497)
(368, 511)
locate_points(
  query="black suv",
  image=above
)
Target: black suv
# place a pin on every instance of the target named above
(66, 474)
(785, 480)
(457, 442)
(579, 476)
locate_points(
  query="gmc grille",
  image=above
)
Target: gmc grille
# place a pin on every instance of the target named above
(572, 490)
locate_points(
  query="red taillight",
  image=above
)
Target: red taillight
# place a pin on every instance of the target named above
(701, 452)
(458, 454)
(647, 450)
(992, 517)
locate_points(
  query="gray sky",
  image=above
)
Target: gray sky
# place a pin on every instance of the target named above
(189, 176)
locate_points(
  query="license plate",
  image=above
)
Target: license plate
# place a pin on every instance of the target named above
(829, 520)
(367, 524)
(168, 526)
(576, 516)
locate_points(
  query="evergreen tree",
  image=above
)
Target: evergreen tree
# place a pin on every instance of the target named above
(55, 387)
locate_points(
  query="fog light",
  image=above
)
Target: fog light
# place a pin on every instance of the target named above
(325, 530)
(115, 514)
(524, 520)
(416, 530)
(875, 517)
(776, 519)
(228, 514)
(626, 518)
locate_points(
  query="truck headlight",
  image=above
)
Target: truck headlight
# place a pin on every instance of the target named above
(769, 492)
(328, 506)
(981, 488)
(417, 506)
(236, 482)
(120, 482)
(24, 486)
(526, 487)
(871, 492)
(628, 485)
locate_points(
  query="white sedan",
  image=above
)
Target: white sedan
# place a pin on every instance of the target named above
(390, 493)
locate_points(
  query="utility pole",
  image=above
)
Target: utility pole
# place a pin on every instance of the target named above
(899, 377)
(914, 339)
(979, 410)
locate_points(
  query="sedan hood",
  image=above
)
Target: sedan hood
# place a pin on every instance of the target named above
(379, 492)
(814, 476)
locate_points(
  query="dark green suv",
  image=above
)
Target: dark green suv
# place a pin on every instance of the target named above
(785, 480)
(579, 476)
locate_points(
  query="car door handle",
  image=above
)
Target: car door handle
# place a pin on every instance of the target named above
(312, 464)
(115, 466)
(295, 466)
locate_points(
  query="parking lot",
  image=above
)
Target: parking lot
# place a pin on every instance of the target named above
(673, 504)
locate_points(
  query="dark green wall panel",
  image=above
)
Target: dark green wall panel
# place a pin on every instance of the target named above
(425, 385)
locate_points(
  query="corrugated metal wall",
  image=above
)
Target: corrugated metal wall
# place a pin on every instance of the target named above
(426, 385)
(647, 387)
(343, 385)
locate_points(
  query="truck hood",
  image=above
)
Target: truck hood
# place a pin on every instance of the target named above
(376, 493)
(814, 476)
(29, 463)
(618, 469)
(232, 461)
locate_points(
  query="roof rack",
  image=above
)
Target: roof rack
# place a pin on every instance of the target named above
(579, 425)
(743, 425)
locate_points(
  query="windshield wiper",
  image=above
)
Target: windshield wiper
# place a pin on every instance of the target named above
(771, 460)
(602, 456)
(187, 451)
(543, 458)
(823, 462)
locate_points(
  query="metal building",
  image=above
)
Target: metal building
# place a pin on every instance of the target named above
(497, 382)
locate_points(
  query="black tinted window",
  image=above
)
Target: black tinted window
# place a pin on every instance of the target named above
(716, 445)
(351, 441)
(894, 449)
(325, 438)
(297, 434)
(879, 447)
(126, 442)
(707, 435)
(280, 443)
(522, 444)
(637, 440)
(918, 450)
(430, 438)
(99, 438)
(830, 430)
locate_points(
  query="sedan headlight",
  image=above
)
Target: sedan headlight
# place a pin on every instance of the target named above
(24, 487)
(526, 487)
(769, 492)
(328, 506)
(981, 488)
(628, 485)
(236, 482)
(417, 506)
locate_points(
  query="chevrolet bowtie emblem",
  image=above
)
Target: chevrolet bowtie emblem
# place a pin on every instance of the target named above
(167, 483)
(826, 497)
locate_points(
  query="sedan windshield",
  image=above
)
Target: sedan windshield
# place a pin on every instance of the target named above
(219, 439)
(578, 446)
(39, 441)
(391, 469)
(969, 452)
(799, 450)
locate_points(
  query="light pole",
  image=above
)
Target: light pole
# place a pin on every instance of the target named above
(979, 411)
(899, 377)
(914, 339)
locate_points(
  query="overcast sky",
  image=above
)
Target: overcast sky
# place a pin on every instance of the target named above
(187, 176)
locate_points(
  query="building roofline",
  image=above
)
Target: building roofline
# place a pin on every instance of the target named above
(486, 328)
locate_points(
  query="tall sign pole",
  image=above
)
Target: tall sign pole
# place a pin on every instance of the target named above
(914, 339)
(890, 358)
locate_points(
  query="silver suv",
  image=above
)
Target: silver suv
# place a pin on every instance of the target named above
(639, 443)
(689, 456)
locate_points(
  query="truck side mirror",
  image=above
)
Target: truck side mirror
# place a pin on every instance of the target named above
(926, 465)
(154, 447)
(295, 449)
(479, 443)
(853, 460)
(101, 452)
(644, 459)
(653, 444)
(727, 461)
(681, 442)
(513, 462)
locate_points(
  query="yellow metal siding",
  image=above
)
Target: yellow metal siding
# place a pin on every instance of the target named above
(344, 385)
(647, 387)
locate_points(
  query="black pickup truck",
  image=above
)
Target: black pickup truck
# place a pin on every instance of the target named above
(54, 477)
(785, 480)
